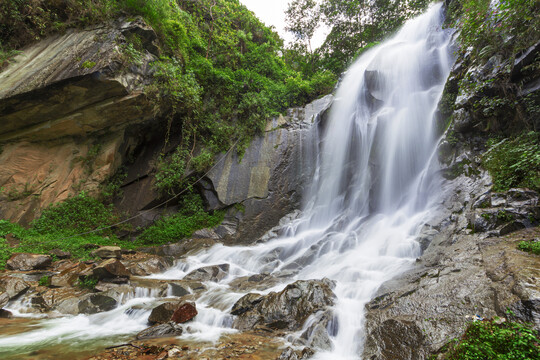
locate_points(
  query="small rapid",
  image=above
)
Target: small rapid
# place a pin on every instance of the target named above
(375, 185)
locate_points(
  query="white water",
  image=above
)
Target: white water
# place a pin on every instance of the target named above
(374, 187)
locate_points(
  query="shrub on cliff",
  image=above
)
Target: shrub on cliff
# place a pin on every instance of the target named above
(494, 339)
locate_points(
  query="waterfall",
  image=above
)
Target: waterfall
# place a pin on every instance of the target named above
(375, 185)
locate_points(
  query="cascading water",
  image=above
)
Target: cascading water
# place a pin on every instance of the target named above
(374, 187)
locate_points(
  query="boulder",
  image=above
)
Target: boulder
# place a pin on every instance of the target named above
(27, 262)
(59, 254)
(95, 303)
(107, 269)
(162, 313)
(108, 252)
(69, 276)
(153, 265)
(169, 329)
(292, 354)
(13, 286)
(184, 313)
(172, 311)
(209, 273)
(5, 314)
(4, 298)
(246, 303)
(287, 309)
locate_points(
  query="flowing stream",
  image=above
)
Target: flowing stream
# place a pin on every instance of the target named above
(375, 185)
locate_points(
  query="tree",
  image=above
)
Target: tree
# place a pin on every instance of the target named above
(303, 19)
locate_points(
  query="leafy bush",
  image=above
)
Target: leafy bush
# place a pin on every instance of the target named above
(494, 339)
(488, 26)
(530, 246)
(514, 162)
(76, 215)
(190, 217)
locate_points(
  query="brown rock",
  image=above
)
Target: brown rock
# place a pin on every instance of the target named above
(60, 254)
(108, 252)
(69, 277)
(5, 314)
(184, 313)
(27, 262)
(108, 269)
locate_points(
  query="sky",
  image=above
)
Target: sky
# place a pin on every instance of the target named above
(272, 12)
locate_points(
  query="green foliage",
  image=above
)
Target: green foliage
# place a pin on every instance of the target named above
(88, 282)
(76, 215)
(514, 162)
(504, 27)
(170, 174)
(530, 246)
(45, 281)
(494, 339)
(88, 64)
(190, 217)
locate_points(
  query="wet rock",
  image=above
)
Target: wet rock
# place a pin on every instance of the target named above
(108, 252)
(246, 303)
(184, 313)
(59, 254)
(209, 273)
(163, 313)
(4, 298)
(69, 276)
(95, 303)
(291, 354)
(27, 262)
(107, 270)
(5, 314)
(168, 329)
(320, 327)
(13, 286)
(149, 266)
(205, 234)
(395, 339)
(287, 309)
(177, 290)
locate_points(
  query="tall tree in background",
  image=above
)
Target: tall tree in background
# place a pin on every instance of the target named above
(303, 19)
(355, 25)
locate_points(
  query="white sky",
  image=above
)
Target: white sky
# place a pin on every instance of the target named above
(272, 12)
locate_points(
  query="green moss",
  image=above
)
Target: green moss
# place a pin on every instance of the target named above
(530, 246)
(493, 339)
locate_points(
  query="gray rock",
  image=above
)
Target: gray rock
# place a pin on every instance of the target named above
(269, 177)
(162, 313)
(95, 303)
(395, 339)
(209, 273)
(291, 354)
(107, 269)
(287, 309)
(13, 286)
(169, 329)
(27, 262)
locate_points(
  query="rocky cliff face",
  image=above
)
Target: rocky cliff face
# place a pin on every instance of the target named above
(65, 105)
(73, 111)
